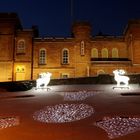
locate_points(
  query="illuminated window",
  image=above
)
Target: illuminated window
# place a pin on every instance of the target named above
(100, 72)
(115, 53)
(94, 53)
(64, 75)
(21, 46)
(65, 56)
(104, 53)
(42, 56)
(82, 48)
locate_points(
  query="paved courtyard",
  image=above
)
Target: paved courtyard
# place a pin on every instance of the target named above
(71, 112)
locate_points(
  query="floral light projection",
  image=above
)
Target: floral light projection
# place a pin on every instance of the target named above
(77, 96)
(8, 122)
(62, 113)
(119, 126)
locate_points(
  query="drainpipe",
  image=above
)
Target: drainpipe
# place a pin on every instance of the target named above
(131, 45)
(32, 59)
(14, 50)
(87, 71)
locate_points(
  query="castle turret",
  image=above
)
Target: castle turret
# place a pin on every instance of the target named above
(81, 30)
(132, 37)
(9, 22)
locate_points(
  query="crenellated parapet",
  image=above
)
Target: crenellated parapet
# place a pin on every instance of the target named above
(81, 30)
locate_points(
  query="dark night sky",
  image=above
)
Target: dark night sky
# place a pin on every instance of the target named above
(53, 17)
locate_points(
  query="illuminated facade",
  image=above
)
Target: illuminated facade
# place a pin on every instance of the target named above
(23, 55)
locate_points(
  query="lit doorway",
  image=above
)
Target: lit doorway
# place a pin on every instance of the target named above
(20, 73)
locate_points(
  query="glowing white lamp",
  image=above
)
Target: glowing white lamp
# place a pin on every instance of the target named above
(120, 78)
(43, 80)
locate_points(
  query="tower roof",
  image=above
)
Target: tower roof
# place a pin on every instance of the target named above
(10, 18)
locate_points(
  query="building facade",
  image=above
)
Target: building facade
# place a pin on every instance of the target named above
(23, 54)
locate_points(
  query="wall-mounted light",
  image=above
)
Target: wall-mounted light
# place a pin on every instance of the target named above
(20, 68)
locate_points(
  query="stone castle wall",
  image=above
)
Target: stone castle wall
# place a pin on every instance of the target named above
(87, 55)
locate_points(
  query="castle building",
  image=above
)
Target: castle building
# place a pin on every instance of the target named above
(23, 54)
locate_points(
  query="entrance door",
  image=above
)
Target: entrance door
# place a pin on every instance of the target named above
(20, 73)
(20, 76)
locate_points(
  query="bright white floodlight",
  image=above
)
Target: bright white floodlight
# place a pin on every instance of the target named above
(43, 80)
(120, 78)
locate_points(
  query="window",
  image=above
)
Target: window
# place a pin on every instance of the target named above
(42, 56)
(94, 53)
(104, 53)
(65, 56)
(82, 48)
(100, 72)
(21, 46)
(115, 53)
(64, 75)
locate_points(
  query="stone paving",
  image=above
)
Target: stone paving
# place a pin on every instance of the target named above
(119, 126)
(9, 122)
(91, 111)
(63, 113)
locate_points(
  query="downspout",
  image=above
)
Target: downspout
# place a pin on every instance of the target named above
(75, 61)
(87, 71)
(14, 50)
(32, 58)
(131, 49)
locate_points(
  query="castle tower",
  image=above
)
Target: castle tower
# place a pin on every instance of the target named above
(132, 37)
(82, 35)
(9, 22)
(81, 30)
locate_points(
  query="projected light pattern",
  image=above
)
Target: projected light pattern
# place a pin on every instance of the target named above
(78, 96)
(62, 113)
(8, 122)
(119, 126)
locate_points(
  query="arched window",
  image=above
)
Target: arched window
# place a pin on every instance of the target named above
(100, 72)
(82, 48)
(64, 75)
(42, 56)
(65, 56)
(115, 53)
(94, 53)
(104, 53)
(21, 46)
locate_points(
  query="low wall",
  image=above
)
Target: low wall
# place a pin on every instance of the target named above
(101, 79)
